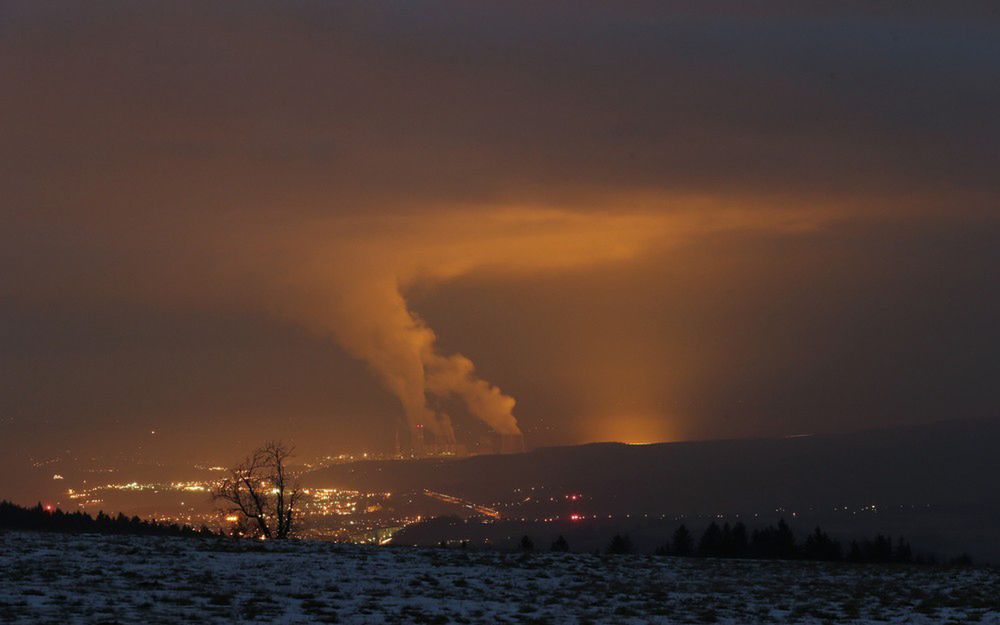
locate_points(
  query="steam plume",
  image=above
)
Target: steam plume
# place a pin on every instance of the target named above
(374, 324)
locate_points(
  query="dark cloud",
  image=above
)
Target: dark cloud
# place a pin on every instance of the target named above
(508, 102)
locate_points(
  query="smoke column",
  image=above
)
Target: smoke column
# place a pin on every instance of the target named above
(371, 320)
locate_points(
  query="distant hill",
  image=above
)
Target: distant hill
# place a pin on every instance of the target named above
(935, 484)
(952, 463)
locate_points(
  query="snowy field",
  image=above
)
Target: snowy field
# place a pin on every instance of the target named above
(51, 578)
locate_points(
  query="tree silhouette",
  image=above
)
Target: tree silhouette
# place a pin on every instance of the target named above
(903, 552)
(682, 543)
(785, 540)
(620, 544)
(739, 543)
(734, 541)
(819, 546)
(710, 544)
(855, 554)
(261, 490)
(773, 542)
(881, 549)
(527, 544)
(560, 545)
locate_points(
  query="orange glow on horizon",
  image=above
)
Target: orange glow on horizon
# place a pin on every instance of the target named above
(631, 429)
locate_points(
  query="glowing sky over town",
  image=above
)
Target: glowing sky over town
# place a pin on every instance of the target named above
(226, 222)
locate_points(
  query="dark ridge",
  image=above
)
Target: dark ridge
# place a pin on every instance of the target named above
(38, 518)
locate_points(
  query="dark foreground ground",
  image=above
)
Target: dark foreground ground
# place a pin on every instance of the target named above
(52, 578)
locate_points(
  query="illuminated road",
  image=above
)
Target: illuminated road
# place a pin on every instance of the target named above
(458, 501)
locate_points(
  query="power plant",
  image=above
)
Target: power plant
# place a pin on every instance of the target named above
(416, 444)
(510, 443)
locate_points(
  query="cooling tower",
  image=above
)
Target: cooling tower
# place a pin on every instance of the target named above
(510, 443)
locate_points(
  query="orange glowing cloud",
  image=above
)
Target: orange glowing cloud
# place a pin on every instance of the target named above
(345, 278)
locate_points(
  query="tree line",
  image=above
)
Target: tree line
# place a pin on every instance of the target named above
(779, 543)
(770, 543)
(38, 518)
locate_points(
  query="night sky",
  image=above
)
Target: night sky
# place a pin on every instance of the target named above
(228, 222)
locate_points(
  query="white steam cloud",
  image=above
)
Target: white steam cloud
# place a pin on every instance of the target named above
(370, 319)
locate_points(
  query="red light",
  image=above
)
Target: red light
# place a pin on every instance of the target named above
(575, 517)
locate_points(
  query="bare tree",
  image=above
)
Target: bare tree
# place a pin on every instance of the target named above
(261, 491)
